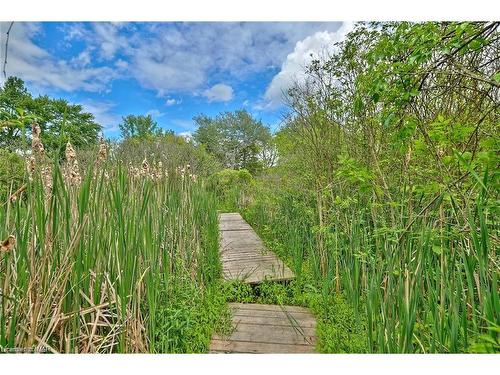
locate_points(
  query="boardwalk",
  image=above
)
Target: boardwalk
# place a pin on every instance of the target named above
(268, 329)
(259, 328)
(244, 256)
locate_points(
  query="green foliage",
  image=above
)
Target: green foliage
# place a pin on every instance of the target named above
(59, 120)
(236, 291)
(139, 127)
(187, 316)
(11, 172)
(235, 138)
(340, 328)
(230, 186)
(386, 189)
(155, 285)
(488, 343)
(171, 150)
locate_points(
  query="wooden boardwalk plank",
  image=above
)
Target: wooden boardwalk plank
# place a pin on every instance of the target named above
(268, 329)
(255, 306)
(244, 255)
(259, 328)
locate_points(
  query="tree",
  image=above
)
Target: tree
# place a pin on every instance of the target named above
(235, 138)
(59, 120)
(139, 127)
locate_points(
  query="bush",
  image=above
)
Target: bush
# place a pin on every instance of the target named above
(231, 187)
(187, 317)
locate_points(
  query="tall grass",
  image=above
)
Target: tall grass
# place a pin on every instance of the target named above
(97, 263)
(426, 284)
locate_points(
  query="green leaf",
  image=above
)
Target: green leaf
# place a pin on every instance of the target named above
(437, 249)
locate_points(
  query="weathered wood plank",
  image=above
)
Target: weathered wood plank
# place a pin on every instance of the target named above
(221, 346)
(292, 317)
(268, 329)
(281, 335)
(259, 328)
(234, 226)
(244, 255)
(267, 321)
(277, 328)
(256, 277)
(255, 306)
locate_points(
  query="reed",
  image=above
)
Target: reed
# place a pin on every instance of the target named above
(428, 287)
(92, 260)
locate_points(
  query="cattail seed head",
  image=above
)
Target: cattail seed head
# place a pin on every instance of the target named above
(72, 173)
(46, 173)
(8, 244)
(31, 167)
(145, 168)
(70, 153)
(36, 143)
(102, 154)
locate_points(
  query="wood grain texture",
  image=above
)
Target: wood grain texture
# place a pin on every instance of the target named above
(268, 329)
(243, 254)
(259, 328)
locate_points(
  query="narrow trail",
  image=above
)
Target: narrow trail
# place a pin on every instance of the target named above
(259, 328)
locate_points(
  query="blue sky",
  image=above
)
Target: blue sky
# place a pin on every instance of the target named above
(173, 71)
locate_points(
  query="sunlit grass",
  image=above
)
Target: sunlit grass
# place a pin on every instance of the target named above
(97, 262)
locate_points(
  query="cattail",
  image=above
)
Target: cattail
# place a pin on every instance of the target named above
(102, 154)
(8, 244)
(70, 153)
(72, 170)
(133, 171)
(31, 167)
(145, 168)
(46, 173)
(36, 143)
(193, 177)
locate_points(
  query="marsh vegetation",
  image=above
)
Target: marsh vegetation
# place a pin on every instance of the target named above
(380, 190)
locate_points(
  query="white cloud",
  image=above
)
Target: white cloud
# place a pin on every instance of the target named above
(188, 136)
(83, 59)
(292, 70)
(36, 65)
(165, 57)
(171, 101)
(102, 112)
(155, 113)
(219, 93)
(121, 64)
(168, 57)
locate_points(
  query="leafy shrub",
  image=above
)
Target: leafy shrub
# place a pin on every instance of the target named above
(187, 317)
(231, 186)
(236, 291)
